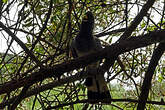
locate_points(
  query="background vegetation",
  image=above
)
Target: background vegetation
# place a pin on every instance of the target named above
(37, 71)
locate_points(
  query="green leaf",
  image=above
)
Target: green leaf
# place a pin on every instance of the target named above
(81, 86)
(4, 1)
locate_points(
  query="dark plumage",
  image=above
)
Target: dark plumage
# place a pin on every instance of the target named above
(83, 44)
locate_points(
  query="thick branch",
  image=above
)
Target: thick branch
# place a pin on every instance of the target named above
(45, 87)
(148, 76)
(137, 19)
(110, 51)
(19, 98)
(110, 61)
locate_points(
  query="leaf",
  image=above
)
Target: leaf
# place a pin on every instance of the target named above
(81, 86)
(4, 1)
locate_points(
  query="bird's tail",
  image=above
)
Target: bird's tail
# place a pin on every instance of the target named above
(97, 88)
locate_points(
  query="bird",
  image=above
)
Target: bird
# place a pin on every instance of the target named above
(83, 44)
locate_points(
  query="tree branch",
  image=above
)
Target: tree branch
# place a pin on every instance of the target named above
(105, 102)
(19, 98)
(39, 36)
(59, 69)
(110, 32)
(45, 87)
(110, 61)
(21, 44)
(110, 51)
(137, 20)
(158, 52)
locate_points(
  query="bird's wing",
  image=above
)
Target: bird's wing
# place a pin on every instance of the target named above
(73, 51)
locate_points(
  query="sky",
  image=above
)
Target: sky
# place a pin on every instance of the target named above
(4, 38)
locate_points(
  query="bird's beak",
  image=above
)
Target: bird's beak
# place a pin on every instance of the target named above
(85, 18)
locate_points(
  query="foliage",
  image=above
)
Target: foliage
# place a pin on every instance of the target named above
(47, 27)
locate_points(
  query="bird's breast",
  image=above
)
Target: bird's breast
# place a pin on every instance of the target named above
(85, 45)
